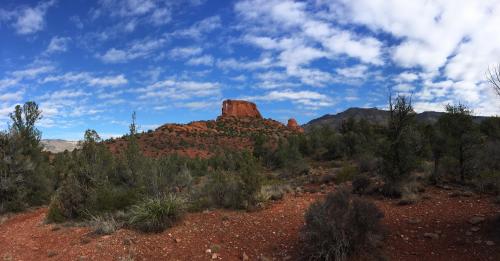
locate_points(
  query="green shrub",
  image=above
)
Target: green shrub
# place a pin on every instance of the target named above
(340, 227)
(346, 173)
(156, 214)
(360, 184)
(224, 190)
(104, 225)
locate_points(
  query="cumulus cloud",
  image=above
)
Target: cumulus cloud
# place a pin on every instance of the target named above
(27, 19)
(58, 44)
(200, 28)
(308, 99)
(300, 36)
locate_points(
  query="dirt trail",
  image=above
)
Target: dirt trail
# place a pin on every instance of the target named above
(272, 232)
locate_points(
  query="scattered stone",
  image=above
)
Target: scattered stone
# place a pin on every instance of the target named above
(474, 229)
(245, 257)
(490, 243)
(431, 235)
(177, 240)
(215, 256)
(467, 194)
(477, 241)
(476, 220)
(51, 253)
(264, 258)
(208, 251)
(56, 228)
(414, 221)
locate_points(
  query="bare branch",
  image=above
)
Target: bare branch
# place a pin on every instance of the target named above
(493, 76)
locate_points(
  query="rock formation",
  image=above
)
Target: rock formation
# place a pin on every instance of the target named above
(292, 124)
(240, 109)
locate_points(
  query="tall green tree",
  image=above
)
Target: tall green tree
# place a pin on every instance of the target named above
(24, 171)
(462, 138)
(399, 157)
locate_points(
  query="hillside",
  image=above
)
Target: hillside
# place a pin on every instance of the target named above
(234, 129)
(373, 116)
(58, 145)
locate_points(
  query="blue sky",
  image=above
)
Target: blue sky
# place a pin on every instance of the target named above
(90, 64)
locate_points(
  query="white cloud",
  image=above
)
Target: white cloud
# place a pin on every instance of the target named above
(12, 96)
(87, 78)
(58, 44)
(185, 52)
(308, 99)
(138, 49)
(32, 72)
(450, 42)
(358, 71)
(161, 16)
(300, 36)
(178, 90)
(109, 81)
(206, 60)
(407, 77)
(29, 20)
(200, 28)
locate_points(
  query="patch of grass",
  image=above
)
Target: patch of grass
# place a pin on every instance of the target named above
(104, 225)
(346, 173)
(156, 214)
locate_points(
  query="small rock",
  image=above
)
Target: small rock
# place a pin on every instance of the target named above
(468, 233)
(431, 235)
(414, 220)
(264, 258)
(215, 256)
(477, 242)
(51, 253)
(245, 257)
(476, 220)
(490, 243)
(474, 229)
(177, 240)
(208, 251)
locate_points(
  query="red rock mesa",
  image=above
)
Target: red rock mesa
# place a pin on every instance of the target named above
(240, 109)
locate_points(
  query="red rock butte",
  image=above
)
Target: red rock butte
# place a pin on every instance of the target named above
(292, 124)
(240, 109)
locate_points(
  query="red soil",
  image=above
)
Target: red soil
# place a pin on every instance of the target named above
(272, 232)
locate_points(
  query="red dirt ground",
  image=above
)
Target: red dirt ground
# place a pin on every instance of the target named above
(272, 233)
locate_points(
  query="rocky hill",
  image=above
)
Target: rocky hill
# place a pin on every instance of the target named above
(57, 145)
(233, 129)
(373, 116)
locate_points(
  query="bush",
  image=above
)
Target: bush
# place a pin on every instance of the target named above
(156, 214)
(224, 190)
(360, 184)
(346, 173)
(341, 227)
(104, 225)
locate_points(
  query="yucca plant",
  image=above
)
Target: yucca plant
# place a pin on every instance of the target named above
(156, 214)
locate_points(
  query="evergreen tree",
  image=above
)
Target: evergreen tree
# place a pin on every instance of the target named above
(462, 138)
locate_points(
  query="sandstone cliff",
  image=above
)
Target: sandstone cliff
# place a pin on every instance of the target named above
(240, 109)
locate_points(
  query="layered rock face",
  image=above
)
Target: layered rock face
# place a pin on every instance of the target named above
(240, 109)
(292, 124)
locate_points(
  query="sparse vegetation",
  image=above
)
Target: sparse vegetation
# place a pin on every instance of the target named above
(340, 227)
(156, 214)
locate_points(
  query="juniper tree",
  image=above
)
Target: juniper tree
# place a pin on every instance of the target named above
(399, 157)
(462, 138)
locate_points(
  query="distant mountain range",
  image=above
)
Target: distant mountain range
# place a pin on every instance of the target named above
(57, 145)
(372, 115)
